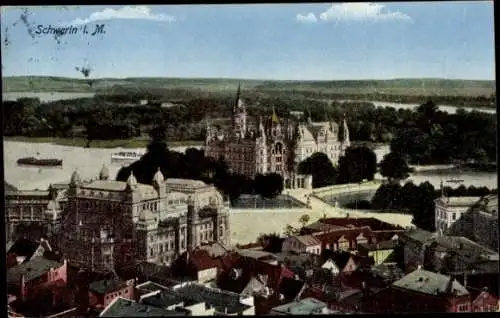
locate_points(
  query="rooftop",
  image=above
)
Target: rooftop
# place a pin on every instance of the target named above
(23, 247)
(121, 307)
(35, 268)
(308, 240)
(186, 183)
(163, 299)
(461, 201)
(420, 235)
(306, 306)
(117, 186)
(430, 283)
(150, 286)
(221, 300)
(373, 223)
(384, 245)
(106, 286)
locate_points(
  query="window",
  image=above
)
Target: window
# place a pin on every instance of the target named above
(454, 216)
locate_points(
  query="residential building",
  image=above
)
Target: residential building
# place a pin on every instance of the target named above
(448, 210)
(306, 306)
(425, 291)
(346, 239)
(109, 224)
(415, 243)
(485, 222)
(23, 250)
(483, 301)
(332, 267)
(302, 244)
(39, 273)
(121, 307)
(37, 210)
(450, 254)
(198, 300)
(103, 292)
(381, 252)
(274, 146)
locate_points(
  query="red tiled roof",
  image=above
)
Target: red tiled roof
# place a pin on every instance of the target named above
(373, 223)
(201, 260)
(249, 246)
(349, 234)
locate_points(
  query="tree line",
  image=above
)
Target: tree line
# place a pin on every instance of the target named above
(425, 135)
(418, 200)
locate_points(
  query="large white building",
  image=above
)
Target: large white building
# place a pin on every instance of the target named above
(448, 210)
(110, 223)
(275, 146)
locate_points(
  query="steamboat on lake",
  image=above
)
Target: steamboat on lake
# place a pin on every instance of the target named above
(127, 155)
(40, 162)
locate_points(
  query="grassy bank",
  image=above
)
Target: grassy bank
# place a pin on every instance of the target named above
(82, 142)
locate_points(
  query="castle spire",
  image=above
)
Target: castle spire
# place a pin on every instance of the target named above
(131, 181)
(238, 93)
(346, 142)
(274, 118)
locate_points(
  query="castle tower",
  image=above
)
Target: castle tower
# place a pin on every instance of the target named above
(158, 180)
(74, 183)
(346, 141)
(275, 125)
(239, 116)
(131, 187)
(261, 149)
(192, 220)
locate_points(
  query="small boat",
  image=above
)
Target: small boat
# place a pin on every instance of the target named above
(127, 155)
(32, 161)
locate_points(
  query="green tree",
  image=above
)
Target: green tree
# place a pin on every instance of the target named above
(357, 164)
(321, 168)
(394, 167)
(271, 243)
(290, 230)
(304, 219)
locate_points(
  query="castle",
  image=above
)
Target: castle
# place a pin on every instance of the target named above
(275, 146)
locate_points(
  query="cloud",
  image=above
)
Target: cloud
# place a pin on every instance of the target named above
(362, 12)
(306, 18)
(124, 13)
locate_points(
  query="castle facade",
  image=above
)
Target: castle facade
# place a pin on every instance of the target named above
(274, 146)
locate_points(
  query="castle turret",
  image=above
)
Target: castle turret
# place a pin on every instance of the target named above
(239, 116)
(261, 150)
(75, 178)
(131, 182)
(192, 220)
(346, 141)
(158, 183)
(104, 173)
(275, 125)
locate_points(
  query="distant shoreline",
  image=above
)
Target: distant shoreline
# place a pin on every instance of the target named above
(82, 142)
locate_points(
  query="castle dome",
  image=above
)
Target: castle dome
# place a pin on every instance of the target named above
(131, 181)
(158, 177)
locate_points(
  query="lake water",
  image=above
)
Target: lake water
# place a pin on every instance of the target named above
(444, 108)
(45, 96)
(469, 177)
(89, 161)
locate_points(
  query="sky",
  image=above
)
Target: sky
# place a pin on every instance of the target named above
(320, 41)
